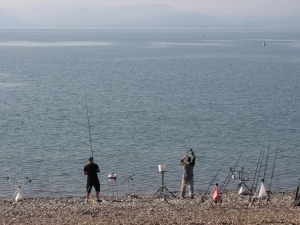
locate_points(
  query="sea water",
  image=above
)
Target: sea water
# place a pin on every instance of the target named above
(151, 95)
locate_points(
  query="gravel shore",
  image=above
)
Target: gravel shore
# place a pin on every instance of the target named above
(132, 209)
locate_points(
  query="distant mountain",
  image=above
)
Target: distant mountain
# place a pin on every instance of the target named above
(131, 16)
(7, 19)
(137, 16)
(265, 21)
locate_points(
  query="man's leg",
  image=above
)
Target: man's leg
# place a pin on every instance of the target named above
(192, 188)
(97, 188)
(183, 186)
(88, 189)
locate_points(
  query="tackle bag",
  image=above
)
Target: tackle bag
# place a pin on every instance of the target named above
(262, 192)
(217, 196)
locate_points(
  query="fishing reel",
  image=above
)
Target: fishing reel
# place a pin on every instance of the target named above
(130, 177)
(240, 174)
(191, 150)
(25, 180)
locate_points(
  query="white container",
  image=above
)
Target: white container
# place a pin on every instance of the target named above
(112, 176)
(162, 168)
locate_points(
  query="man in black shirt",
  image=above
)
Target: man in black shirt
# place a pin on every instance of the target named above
(188, 174)
(91, 170)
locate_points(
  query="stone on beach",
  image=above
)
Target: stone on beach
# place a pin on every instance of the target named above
(234, 209)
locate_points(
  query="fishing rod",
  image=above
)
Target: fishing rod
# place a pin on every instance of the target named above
(191, 150)
(266, 161)
(202, 199)
(260, 155)
(128, 178)
(256, 178)
(260, 169)
(273, 167)
(88, 120)
(266, 164)
(226, 181)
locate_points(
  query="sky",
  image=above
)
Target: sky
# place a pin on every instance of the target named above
(211, 7)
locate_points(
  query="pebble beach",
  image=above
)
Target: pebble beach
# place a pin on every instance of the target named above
(132, 209)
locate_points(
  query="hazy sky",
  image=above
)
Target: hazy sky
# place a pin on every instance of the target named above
(214, 7)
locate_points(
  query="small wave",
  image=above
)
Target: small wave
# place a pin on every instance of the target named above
(55, 44)
(166, 44)
(5, 74)
(8, 85)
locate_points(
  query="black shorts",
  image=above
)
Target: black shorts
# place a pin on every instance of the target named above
(92, 182)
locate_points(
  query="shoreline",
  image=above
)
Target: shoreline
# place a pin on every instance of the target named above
(132, 209)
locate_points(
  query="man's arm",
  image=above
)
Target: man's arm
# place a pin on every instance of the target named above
(184, 157)
(181, 161)
(98, 169)
(194, 159)
(84, 170)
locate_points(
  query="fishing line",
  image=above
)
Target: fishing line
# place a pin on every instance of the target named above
(88, 120)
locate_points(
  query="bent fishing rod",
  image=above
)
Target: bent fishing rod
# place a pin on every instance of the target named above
(88, 120)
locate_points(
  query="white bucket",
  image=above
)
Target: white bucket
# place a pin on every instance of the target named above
(112, 176)
(162, 168)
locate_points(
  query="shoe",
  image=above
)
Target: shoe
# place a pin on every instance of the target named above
(98, 201)
(85, 201)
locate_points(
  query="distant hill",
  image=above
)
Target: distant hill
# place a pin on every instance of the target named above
(131, 16)
(137, 16)
(7, 19)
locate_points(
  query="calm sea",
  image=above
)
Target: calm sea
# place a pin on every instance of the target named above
(151, 96)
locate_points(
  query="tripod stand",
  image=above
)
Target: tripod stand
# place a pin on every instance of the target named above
(17, 195)
(242, 180)
(161, 191)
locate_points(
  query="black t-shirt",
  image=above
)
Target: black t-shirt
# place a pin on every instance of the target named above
(91, 170)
